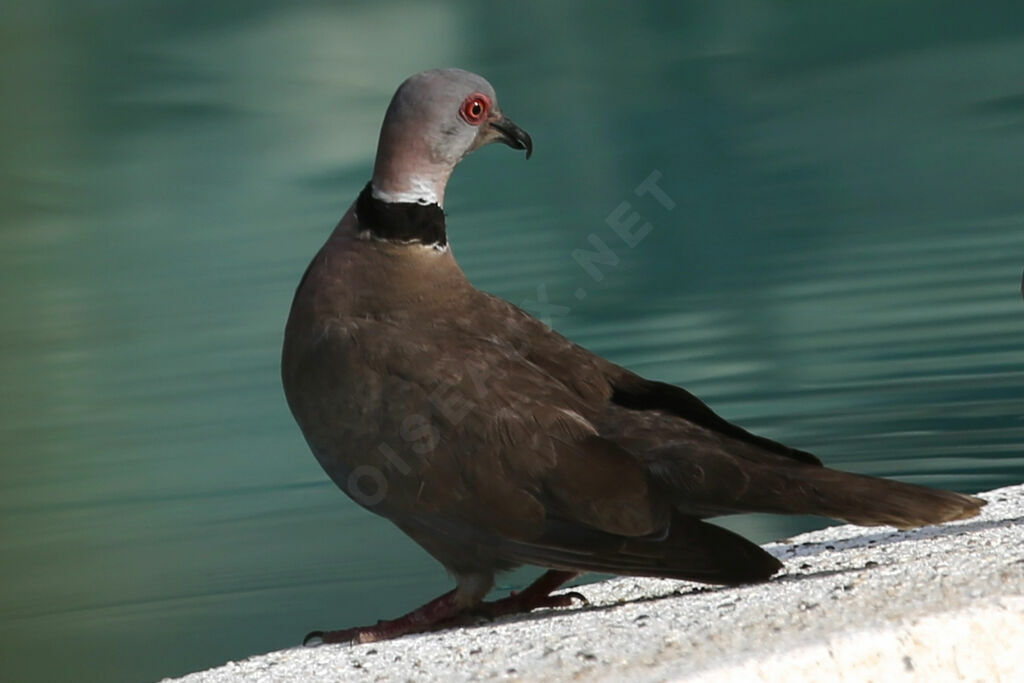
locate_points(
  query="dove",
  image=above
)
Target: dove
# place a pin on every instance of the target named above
(492, 440)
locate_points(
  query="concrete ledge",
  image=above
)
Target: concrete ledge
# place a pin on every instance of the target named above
(972, 644)
(854, 604)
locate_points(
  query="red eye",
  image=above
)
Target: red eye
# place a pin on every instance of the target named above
(474, 108)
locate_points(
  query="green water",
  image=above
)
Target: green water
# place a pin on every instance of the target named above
(840, 270)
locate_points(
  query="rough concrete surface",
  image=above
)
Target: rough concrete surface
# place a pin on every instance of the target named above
(853, 604)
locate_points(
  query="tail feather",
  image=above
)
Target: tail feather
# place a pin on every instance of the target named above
(871, 501)
(856, 498)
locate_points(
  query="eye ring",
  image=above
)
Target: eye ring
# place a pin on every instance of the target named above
(475, 108)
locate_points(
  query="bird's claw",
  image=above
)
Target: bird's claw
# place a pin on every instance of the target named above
(575, 595)
(563, 600)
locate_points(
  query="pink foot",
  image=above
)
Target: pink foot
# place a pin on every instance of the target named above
(535, 596)
(443, 612)
(421, 619)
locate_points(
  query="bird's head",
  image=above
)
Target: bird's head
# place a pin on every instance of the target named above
(434, 120)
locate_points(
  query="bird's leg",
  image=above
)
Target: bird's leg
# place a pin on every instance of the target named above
(445, 612)
(534, 596)
(436, 613)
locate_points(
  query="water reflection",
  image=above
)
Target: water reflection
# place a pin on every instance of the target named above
(841, 271)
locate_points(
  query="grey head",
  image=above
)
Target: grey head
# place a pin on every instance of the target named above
(434, 120)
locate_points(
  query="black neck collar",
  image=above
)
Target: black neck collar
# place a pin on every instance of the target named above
(405, 222)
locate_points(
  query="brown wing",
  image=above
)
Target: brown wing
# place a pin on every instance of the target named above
(704, 464)
(598, 380)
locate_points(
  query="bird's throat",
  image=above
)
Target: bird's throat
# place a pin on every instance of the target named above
(400, 222)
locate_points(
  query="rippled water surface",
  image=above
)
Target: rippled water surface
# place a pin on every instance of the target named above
(840, 269)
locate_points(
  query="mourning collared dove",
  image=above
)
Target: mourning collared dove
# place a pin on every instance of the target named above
(492, 440)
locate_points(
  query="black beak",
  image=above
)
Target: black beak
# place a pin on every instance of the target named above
(512, 135)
